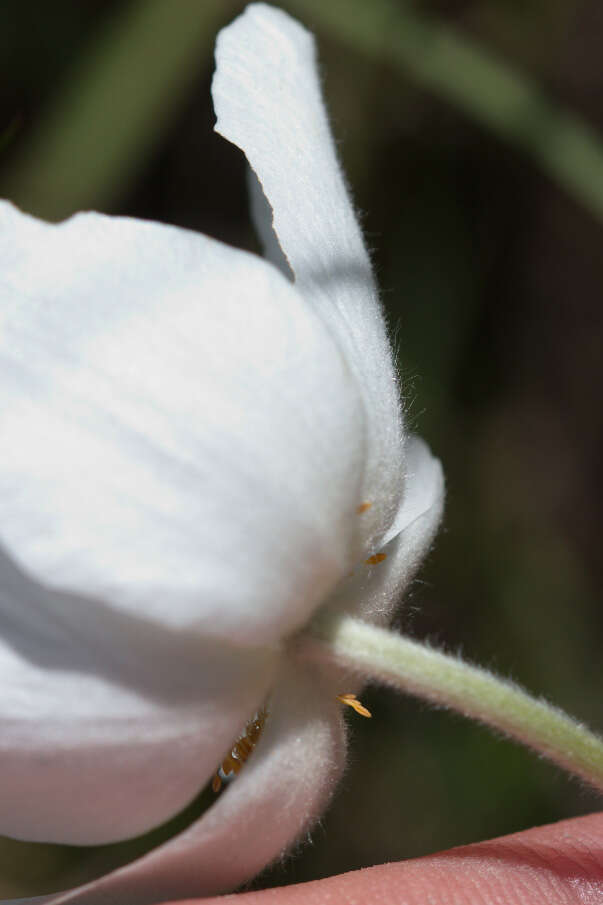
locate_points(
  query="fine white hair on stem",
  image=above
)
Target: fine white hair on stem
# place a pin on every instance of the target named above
(448, 681)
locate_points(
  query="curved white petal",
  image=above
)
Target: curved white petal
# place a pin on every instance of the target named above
(268, 101)
(30, 900)
(374, 589)
(261, 214)
(108, 725)
(179, 436)
(277, 796)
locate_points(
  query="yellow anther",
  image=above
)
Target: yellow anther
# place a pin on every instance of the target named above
(377, 558)
(240, 751)
(352, 701)
(363, 507)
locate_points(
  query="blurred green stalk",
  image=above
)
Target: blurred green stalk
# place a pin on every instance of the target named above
(9, 133)
(509, 103)
(114, 107)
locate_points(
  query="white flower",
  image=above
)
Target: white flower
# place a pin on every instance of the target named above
(190, 436)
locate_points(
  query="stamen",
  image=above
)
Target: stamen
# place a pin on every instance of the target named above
(352, 701)
(363, 507)
(240, 751)
(376, 558)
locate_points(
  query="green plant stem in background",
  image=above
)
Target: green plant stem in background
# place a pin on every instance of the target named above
(9, 133)
(115, 105)
(510, 104)
(117, 102)
(383, 656)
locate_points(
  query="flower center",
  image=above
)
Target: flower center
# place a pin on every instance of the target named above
(246, 742)
(240, 751)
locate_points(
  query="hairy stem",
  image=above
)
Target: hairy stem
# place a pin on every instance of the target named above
(380, 655)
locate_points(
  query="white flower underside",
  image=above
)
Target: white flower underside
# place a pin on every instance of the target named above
(186, 435)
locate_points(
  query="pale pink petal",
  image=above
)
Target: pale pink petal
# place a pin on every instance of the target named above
(277, 796)
(179, 436)
(108, 724)
(375, 588)
(268, 101)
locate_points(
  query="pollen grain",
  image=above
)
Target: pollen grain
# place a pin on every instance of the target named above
(352, 701)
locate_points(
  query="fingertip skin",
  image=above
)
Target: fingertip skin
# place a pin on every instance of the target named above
(559, 864)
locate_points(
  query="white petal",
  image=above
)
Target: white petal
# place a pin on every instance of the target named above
(268, 101)
(108, 725)
(30, 900)
(277, 796)
(179, 436)
(261, 214)
(373, 591)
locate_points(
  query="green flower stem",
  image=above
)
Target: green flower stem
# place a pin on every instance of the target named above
(380, 655)
(508, 102)
(114, 106)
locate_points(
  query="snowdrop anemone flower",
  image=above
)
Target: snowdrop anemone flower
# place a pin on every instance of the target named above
(200, 450)
(209, 508)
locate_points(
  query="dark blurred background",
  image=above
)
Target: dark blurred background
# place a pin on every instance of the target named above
(489, 257)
